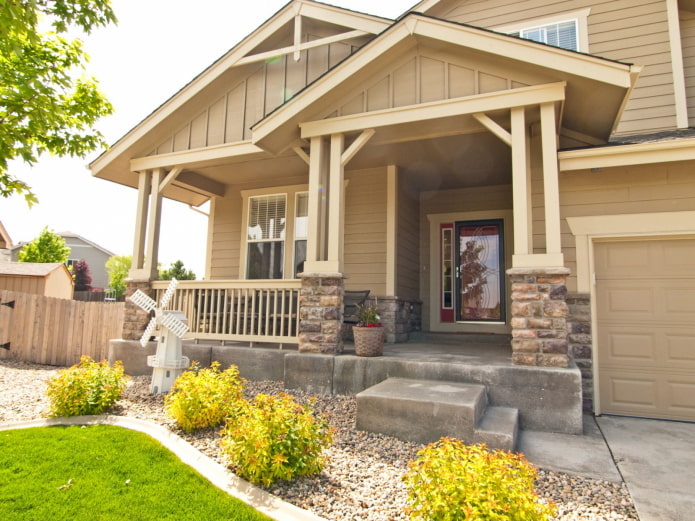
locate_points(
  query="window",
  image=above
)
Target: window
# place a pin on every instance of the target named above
(568, 30)
(301, 227)
(560, 34)
(266, 237)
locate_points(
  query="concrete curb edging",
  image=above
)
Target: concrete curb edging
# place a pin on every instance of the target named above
(214, 472)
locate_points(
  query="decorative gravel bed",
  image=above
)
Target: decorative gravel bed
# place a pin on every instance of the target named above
(362, 480)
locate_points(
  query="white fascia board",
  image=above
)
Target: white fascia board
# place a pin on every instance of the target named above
(197, 156)
(488, 102)
(623, 155)
(346, 18)
(599, 69)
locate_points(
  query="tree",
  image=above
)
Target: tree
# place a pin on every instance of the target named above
(47, 247)
(45, 106)
(118, 267)
(82, 276)
(177, 271)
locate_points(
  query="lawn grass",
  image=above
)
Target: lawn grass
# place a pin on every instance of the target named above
(102, 472)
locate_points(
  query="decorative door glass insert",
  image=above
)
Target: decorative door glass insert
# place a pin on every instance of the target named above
(480, 266)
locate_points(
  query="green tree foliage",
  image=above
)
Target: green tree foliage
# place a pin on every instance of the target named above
(47, 247)
(45, 104)
(118, 267)
(82, 276)
(177, 271)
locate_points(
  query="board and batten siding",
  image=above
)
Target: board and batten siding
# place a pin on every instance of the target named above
(365, 230)
(632, 31)
(665, 187)
(246, 95)
(687, 23)
(464, 200)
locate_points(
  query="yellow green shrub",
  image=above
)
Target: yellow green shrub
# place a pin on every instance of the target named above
(274, 438)
(86, 388)
(202, 398)
(452, 481)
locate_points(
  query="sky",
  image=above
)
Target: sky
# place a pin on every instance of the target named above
(156, 48)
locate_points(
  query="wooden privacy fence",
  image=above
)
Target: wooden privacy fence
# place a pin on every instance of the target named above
(56, 331)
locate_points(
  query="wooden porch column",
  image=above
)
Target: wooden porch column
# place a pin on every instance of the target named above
(318, 174)
(336, 206)
(551, 190)
(144, 187)
(154, 224)
(521, 187)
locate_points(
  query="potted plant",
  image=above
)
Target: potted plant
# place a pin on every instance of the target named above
(368, 332)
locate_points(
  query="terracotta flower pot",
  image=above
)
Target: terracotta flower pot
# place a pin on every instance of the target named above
(369, 341)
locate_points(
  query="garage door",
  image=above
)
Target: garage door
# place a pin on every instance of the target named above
(646, 327)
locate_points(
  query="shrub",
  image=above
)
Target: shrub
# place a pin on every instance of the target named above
(88, 387)
(203, 398)
(454, 481)
(274, 438)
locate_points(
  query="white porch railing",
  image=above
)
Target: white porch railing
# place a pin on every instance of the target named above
(237, 310)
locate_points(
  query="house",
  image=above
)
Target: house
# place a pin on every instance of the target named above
(523, 168)
(5, 244)
(49, 279)
(82, 249)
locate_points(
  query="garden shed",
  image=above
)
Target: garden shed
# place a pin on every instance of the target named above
(50, 279)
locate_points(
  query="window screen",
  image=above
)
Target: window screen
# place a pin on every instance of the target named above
(561, 34)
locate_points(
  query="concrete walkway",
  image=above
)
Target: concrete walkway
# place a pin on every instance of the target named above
(657, 461)
(655, 458)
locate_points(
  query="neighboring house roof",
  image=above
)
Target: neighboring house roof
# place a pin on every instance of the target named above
(66, 235)
(30, 269)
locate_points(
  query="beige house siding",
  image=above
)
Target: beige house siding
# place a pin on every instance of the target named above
(687, 21)
(407, 243)
(666, 187)
(466, 200)
(365, 230)
(633, 31)
(225, 236)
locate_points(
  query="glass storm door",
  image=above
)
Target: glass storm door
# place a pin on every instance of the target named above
(479, 271)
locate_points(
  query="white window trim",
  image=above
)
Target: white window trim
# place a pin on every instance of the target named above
(581, 16)
(288, 256)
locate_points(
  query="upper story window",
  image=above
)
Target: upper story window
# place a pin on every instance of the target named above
(568, 30)
(561, 34)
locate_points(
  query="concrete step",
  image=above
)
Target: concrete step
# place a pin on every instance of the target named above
(498, 428)
(422, 411)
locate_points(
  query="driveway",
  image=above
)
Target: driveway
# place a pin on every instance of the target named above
(657, 461)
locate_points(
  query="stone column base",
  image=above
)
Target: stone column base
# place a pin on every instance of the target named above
(135, 319)
(539, 316)
(321, 313)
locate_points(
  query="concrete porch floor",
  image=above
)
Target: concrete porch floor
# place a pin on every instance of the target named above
(548, 399)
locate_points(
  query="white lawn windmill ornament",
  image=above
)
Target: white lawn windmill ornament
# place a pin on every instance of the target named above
(169, 362)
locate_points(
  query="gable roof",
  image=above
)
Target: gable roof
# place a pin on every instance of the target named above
(597, 78)
(72, 235)
(114, 164)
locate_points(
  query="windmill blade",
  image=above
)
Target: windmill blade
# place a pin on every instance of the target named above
(169, 293)
(148, 332)
(174, 325)
(142, 300)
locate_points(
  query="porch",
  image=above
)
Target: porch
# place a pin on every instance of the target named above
(547, 398)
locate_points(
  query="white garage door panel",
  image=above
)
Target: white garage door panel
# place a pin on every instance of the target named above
(645, 301)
